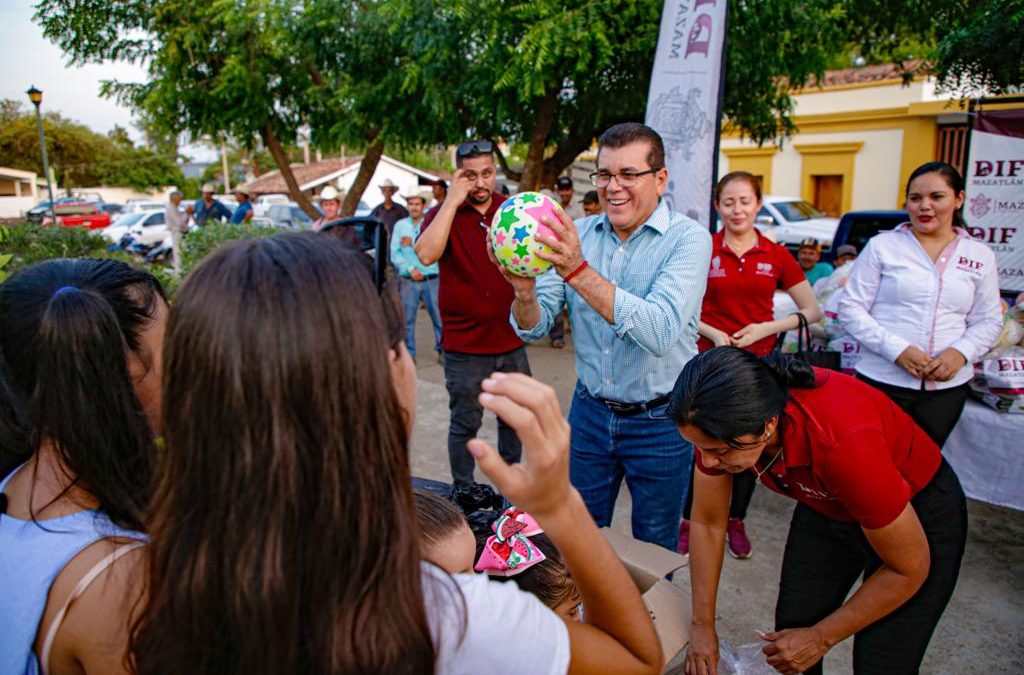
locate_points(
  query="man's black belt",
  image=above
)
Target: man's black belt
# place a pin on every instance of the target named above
(627, 409)
(426, 277)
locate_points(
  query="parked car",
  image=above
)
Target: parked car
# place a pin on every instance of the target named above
(289, 215)
(138, 205)
(264, 202)
(78, 214)
(147, 227)
(113, 209)
(856, 227)
(40, 210)
(791, 220)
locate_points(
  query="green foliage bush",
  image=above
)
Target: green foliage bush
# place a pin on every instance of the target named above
(30, 243)
(24, 245)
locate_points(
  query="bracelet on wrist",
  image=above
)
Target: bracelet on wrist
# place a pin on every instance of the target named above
(582, 266)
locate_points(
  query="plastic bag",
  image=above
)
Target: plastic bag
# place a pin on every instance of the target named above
(747, 659)
(999, 379)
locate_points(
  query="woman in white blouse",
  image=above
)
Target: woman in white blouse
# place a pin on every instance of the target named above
(923, 302)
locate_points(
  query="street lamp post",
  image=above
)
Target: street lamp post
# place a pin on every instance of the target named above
(36, 97)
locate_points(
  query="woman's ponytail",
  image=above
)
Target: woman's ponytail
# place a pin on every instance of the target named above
(85, 401)
(728, 392)
(67, 329)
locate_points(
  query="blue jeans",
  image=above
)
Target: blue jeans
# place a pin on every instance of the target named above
(412, 292)
(646, 449)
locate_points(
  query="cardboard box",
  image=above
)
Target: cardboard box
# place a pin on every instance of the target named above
(668, 604)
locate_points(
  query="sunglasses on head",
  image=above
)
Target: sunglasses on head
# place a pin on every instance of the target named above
(474, 148)
(373, 237)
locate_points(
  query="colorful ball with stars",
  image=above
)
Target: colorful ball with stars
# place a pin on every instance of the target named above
(514, 231)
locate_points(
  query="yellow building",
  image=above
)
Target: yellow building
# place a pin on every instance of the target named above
(859, 137)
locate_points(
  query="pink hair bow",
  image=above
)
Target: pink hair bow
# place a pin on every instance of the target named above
(509, 550)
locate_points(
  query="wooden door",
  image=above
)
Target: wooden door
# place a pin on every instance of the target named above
(828, 194)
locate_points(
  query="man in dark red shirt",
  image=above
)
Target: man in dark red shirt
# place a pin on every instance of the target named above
(475, 300)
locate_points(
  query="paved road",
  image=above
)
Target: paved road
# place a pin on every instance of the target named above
(982, 631)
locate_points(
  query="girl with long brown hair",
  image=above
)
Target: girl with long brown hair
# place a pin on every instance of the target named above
(80, 345)
(284, 538)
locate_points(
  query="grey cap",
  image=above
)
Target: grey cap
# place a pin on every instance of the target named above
(846, 249)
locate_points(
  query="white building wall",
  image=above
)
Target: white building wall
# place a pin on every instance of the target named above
(895, 95)
(876, 165)
(406, 181)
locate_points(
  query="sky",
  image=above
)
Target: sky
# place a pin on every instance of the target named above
(31, 60)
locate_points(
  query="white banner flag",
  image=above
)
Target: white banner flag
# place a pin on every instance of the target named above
(995, 190)
(683, 101)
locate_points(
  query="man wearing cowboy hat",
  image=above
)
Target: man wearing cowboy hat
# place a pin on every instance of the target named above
(389, 212)
(330, 205)
(419, 281)
(208, 208)
(243, 212)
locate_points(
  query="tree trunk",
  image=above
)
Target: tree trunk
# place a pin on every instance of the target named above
(534, 167)
(274, 146)
(565, 154)
(367, 167)
(509, 172)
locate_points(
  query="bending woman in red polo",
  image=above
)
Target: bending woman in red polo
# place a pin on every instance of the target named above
(746, 270)
(875, 499)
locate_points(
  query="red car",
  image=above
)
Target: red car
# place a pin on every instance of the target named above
(86, 215)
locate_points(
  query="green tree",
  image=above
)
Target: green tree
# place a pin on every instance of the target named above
(79, 156)
(257, 69)
(984, 50)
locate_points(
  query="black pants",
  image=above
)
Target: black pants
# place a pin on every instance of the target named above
(743, 485)
(824, 557)
(936, 412)
(463, 374)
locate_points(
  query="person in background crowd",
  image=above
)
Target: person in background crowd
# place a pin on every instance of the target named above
(284, 535)
(746, 270)
(81, 343)
(505, 191)
(809, 257)
(243, 212)
(474, 298)
(923, 302)
(177, 225)
(846, 253)
(330, 205)
(876, 500)
(439, 188)
(591, 203)
(419, 281)
(389, 212)
(208, 208)
(564, 188)
(633, 279)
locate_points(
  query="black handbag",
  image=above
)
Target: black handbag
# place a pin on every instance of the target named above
(818, 359)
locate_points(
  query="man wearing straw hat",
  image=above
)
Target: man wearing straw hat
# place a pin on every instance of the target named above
(389, 212)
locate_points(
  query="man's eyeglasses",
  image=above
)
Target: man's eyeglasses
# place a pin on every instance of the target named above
(601, 179)
(474, 148)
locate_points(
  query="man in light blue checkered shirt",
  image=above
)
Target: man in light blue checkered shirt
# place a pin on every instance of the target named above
(633, 279)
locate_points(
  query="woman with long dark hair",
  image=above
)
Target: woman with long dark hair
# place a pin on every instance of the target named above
(923, 302)
(284, 537)
(80, 348)
(875, 498)
(746, 270)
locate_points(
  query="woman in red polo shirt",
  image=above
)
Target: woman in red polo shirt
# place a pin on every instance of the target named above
(875, 498)
(746, 270)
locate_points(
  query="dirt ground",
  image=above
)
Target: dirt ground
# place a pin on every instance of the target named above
(982, 630)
